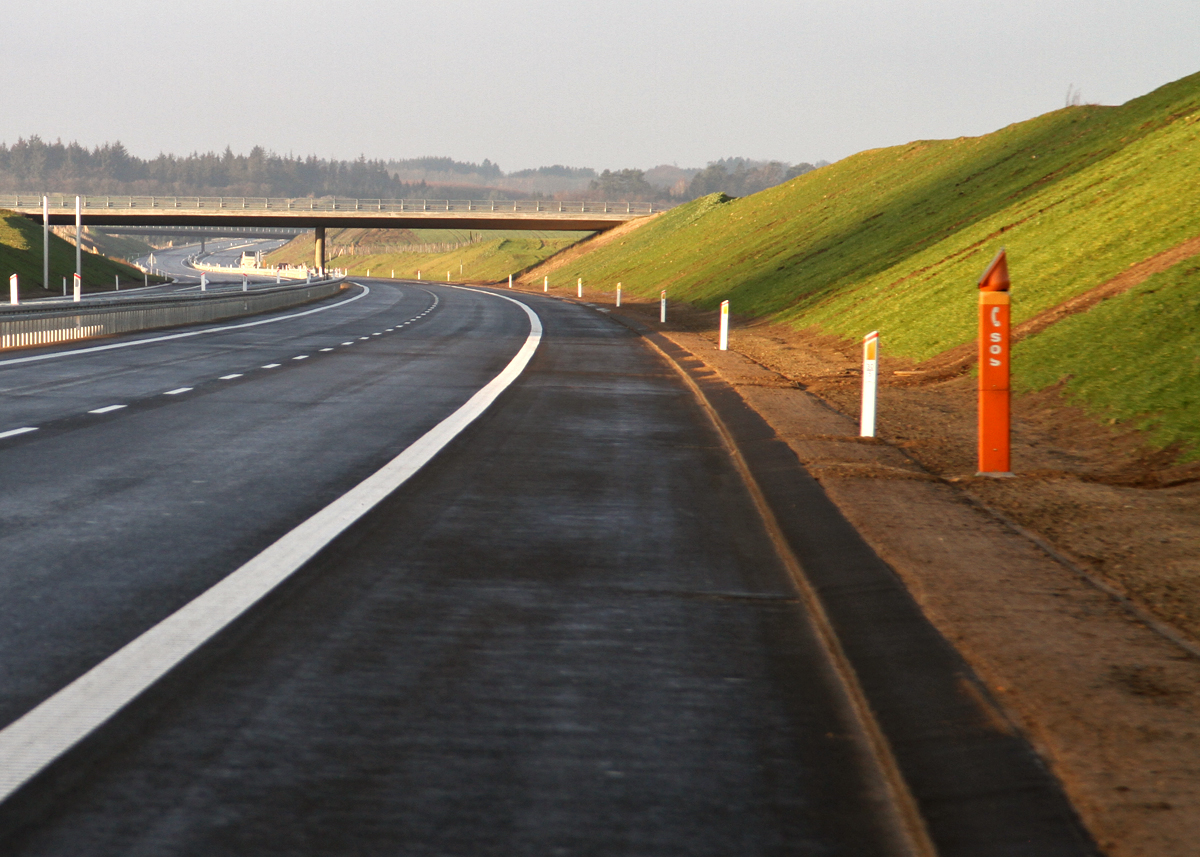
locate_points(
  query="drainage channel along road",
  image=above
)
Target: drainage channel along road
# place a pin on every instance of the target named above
(441, 571)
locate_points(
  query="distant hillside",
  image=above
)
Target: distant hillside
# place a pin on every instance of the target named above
(21, 254)
(895, 239)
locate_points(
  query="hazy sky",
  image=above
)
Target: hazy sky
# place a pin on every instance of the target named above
(609, 84)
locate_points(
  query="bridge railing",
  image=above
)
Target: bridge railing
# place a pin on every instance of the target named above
(59, 203)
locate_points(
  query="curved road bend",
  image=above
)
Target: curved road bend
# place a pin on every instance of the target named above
(567, 634)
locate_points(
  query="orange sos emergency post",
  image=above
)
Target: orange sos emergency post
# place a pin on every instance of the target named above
(994, 393)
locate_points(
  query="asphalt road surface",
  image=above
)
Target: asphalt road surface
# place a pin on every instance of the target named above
(569, 633)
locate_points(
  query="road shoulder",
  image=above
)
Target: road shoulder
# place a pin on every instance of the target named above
(1109, 704)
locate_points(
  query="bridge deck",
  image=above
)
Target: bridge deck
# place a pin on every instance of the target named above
(306, 213)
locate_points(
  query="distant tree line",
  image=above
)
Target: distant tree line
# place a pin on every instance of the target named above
(741, 177)
(33, 165)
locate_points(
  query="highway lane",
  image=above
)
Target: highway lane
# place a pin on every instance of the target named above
(568, 634)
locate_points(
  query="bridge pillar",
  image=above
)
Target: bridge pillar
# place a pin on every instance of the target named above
(319, 248)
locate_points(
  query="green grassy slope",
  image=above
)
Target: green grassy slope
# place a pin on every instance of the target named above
(894, 239)
(21, 254)
(488, 260)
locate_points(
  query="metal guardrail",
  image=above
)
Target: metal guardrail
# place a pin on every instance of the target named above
(60, 203)
(28, 325)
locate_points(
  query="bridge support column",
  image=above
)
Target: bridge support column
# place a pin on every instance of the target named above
(319, 249)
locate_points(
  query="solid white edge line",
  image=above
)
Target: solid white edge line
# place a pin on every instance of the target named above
(17, 431)
(37, 738)
(93, 349)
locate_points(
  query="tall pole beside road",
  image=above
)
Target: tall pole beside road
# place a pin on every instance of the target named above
(78, 237)
(994, 391)
(45, 242)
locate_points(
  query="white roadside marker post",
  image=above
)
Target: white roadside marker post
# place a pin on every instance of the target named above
(64, 287)
(618, 294)
(145, 276)
(418, 275)
(662, 307)
(78, 287)
(579, 288)
(14, 296)
(116, 282)
(866, 426)
(78, 237)
(447, 276)
(278, 277)
(204, 282)
(724, 345)
(368, 272)
(307, 277)
(510, 281)
(546, 283)
(245, 284)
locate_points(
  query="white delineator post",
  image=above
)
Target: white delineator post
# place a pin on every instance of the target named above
(510, 281)
(618, 294)
(77, 284)
(546, 283)
(14, 293)
(245, 284)
(724, 344)
(866, 424)
(662, 307)
(579, 288)
(278, 277)
(204, 282)
(418, 275)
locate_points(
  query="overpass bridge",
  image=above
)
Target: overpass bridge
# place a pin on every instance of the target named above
(319, 214)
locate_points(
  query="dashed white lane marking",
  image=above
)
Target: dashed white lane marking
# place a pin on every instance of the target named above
(301, 357)
(377, 333)
(107, 409)
(326, 349)
(272, 366)
(37, 738)
(364, 337)
(347, 343)
(177, 391)
(15, 432)
(231, 377)
(93, 349)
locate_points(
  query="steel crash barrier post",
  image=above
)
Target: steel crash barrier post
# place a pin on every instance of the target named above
(994, 390)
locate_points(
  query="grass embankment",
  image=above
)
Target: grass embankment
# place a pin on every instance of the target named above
(894, 239)
(21, 254)
(490, 260)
